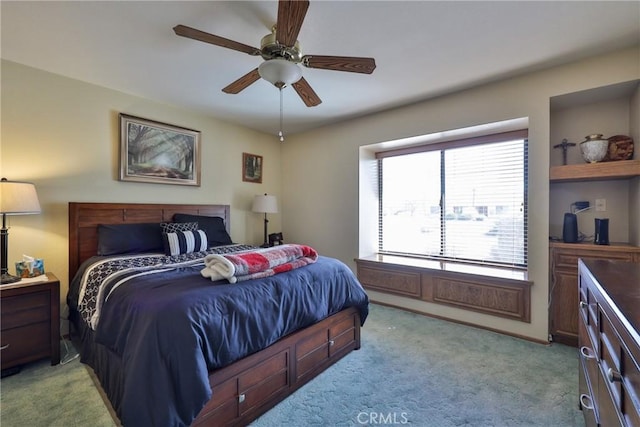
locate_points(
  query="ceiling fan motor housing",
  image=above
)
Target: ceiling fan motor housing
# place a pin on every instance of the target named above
(271, 49)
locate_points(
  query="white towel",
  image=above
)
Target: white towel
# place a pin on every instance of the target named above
(217, 267)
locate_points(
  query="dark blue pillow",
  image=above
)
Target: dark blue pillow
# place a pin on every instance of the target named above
(213, 226)
(114, 239)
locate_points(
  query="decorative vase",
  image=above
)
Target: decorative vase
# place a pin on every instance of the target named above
(594, 148)
(620, 147)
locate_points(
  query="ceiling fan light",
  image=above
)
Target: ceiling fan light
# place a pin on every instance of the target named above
(279, 72)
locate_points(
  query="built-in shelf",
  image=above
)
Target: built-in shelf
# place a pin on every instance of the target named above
(622, 169)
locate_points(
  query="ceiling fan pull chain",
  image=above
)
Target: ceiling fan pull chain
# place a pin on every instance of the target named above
(280, 134)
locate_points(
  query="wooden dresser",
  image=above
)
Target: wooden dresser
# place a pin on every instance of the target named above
(563, 298)
(609, 341)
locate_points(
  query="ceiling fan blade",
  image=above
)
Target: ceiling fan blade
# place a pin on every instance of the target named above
(291, 14)
(243, 82)
(192, 33)
(309, 97)
(351, 64)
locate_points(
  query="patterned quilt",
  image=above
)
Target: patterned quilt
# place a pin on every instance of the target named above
(258, 263)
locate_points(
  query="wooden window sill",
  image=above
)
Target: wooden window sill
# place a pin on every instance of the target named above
(490, 290)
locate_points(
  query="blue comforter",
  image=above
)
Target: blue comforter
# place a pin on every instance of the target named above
(171, 328)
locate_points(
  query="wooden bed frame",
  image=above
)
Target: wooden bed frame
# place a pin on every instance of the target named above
(251, 386)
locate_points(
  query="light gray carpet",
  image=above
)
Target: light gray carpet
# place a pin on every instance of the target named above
(411, 370)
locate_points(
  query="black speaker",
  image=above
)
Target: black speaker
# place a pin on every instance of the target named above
(602, 231)
(570, 228)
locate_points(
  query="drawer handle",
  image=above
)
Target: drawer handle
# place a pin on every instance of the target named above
(587, 353)
(614, 375)
(331, 343)
(241, 398)
(583, 401)
(4, 347)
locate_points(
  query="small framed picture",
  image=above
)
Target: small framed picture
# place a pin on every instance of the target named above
(251, 168)
(157, 152)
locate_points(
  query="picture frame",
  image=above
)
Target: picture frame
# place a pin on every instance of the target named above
(158, 153)
(252, 165)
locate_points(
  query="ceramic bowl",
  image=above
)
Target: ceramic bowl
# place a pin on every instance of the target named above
(594, 150)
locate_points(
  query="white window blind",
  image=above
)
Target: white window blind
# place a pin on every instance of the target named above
(462, 200)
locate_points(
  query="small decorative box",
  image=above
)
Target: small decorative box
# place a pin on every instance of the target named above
(30, 268)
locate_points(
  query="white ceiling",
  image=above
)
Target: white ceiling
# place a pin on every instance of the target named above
(422, 49)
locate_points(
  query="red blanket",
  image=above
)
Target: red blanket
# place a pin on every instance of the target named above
(257, 263)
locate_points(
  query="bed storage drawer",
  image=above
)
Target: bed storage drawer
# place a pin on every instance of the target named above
(251, 386)
(325, 346)
(223, 406)
(246, 391)
(269, 378)
(342, 337)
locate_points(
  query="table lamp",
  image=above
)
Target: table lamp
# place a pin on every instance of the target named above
(265, 204)
(16, 198)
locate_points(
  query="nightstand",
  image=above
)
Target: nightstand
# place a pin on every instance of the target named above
(30, 322)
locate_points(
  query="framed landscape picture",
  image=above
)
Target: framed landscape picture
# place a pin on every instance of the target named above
(251, 168)
(158, 153)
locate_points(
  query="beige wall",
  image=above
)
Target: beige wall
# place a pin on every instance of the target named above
(321, 181)
(63, 135)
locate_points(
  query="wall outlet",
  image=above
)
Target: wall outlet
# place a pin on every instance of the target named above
(601, 205)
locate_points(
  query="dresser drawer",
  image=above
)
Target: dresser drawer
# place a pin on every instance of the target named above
(620, 369)
(610, 355)
(586, 395)
(588, 356)
(25, 344)
(588, 308)
(25, 309)
(607, 409)
(630, 388)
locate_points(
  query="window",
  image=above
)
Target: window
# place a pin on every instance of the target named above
(461, 200)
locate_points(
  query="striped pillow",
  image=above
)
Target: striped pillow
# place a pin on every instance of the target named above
(184, 242)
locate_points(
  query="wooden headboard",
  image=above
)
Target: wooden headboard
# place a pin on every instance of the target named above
(85, 217)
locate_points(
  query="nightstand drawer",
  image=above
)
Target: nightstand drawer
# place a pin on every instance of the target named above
(25, 309)
(25, 343)
(30, 321)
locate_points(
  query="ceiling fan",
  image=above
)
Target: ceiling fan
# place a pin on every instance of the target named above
(281, 53)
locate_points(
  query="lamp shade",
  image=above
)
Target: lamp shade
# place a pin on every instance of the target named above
(265, 204)
(18, 198)
(280, 71)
